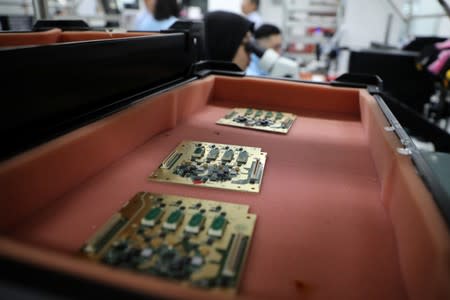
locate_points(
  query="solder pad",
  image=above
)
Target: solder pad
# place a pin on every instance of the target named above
(199, 243)
(272, 121)
(211, 165)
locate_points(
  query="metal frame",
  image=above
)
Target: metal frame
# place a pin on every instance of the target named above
(423, 168)
(40, 9)
(445, 6)
(407, 19)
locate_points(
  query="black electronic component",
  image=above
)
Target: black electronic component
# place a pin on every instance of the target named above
(102, 237)
(228, 155)
(213, 154)
(242, 157)
(171, 160)
(198, 152)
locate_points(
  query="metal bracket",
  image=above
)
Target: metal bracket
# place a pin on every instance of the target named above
(404, 151)
(374, 90)
(40, 9)
(445, 6)
(406, 142)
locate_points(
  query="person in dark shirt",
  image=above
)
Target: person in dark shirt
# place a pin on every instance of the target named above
(227, 36)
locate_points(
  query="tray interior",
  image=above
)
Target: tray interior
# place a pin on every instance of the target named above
(333, 209)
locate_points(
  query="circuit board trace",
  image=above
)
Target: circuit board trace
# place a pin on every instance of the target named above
(206, 259)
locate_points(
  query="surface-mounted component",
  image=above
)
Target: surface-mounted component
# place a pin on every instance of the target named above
(255, 171)
(228, 155)
(173, 220)
(242, 157)
(230, 115)
(272, 121)
(237, 251)
(198, 260)
(217, 226)
(213, 154)
(101, 238)
(170, 161)
(153, 216)
(198, 152)
(287, 123)
(147, 252)
(214, 165)
(195, 223)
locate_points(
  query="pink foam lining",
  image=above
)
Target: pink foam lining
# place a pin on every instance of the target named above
(328, 227)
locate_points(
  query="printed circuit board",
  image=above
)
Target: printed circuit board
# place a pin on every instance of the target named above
(212, 165)
(199, 243)
(272, 121)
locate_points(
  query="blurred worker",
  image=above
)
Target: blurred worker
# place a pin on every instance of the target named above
(250, 10)
(158, 15)
(227, 36)
(267, 36)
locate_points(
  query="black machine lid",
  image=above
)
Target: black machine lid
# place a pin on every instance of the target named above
(49, 90)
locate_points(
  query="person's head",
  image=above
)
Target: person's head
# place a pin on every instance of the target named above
(249, 6)
(227, 35)
(269, 36)
(163, 9)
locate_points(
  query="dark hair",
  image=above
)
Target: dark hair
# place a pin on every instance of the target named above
(224, 33)
(164, 9)
(266, 30)
(256, 2)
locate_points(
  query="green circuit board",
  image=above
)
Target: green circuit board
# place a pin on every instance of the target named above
(198, 243)
(265, 120)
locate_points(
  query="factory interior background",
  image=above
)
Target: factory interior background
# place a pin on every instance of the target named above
(323, 37)
(405, 43)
